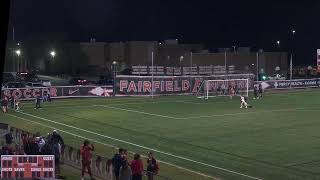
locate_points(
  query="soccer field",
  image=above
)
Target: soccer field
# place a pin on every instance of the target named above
(279, 138)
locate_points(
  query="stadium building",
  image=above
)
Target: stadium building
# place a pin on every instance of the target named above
(170, 53)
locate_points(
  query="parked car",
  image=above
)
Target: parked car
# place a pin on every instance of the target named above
(32, 85)
(105, 80)
(27, 77)
(277, 77)
(78, 81)
(46, 83)
(14, 85)
(8, 77)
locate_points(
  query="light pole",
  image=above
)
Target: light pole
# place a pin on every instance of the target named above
(181, 67)
(278, 44)
(114, 64)
(18, 53)
(225, 62)
(292, 51)
(52, 54)
(257, 66)
(234, 48)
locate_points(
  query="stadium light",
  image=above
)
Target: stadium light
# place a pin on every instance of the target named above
(181, 58)
(18, 52)
(53, 54)
(264, 77)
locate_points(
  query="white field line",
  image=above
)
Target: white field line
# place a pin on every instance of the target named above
(147, 148)
(109, 104)
(208, 116)
(139, 112)
(253, 112)
(109, 145)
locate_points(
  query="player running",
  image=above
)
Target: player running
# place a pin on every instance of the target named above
(243, 102)
(260, 91)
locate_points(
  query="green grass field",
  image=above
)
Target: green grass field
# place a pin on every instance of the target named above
(279, 138)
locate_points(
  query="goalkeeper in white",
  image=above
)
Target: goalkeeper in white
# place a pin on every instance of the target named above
(243, 102)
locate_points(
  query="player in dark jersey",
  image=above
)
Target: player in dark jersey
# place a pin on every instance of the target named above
(255, 92)
(38, 102)
(260, 91)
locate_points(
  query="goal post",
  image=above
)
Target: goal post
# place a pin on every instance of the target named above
(214, 88)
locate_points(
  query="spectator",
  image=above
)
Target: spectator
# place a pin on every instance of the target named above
(125, 172)
(125, 155)
(117, 162)
(56, 138)
(137, 167)
(9, 137)
(56, 151)
(40, 142)
(7, 150)
(86, 154)
(153, 167)
(31, 148)
(109, 169)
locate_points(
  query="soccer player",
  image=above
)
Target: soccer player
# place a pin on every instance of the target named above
(18, 105)
(4, 104)
(260, 90)
(255, 92)
(231, 92)
(38, 101)
(243, 102)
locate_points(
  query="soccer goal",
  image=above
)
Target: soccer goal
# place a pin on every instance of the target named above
(214, 88)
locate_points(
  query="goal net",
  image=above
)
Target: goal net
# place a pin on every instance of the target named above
(214, 88)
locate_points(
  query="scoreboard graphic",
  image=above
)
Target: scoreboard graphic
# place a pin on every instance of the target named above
(27, 166)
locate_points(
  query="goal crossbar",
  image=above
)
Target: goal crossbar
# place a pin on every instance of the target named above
(213, 86)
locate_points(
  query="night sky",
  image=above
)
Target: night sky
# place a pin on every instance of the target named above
(215, 24)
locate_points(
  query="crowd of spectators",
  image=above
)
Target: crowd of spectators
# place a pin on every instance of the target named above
(52, 144)
(12, 103)
(123, 169)
(120, 167)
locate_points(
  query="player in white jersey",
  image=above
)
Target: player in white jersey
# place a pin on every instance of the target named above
(243, 102)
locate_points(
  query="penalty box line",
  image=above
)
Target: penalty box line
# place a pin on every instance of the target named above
(144, 147)
(112, 146)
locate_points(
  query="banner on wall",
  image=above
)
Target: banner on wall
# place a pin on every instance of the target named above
(59, 92)
(287, 84)
(318, 60)
(166, 85)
